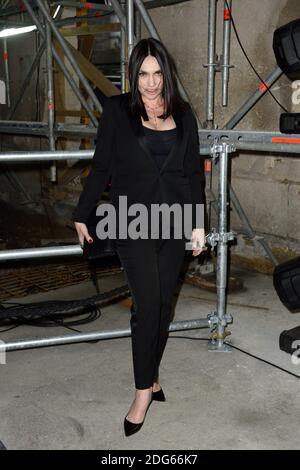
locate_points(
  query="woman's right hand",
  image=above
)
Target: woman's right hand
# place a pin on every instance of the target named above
(82, 233)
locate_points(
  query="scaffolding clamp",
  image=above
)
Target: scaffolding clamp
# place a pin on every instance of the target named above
(215, 237)
(215, 335)
(214, 320)
(218, 147)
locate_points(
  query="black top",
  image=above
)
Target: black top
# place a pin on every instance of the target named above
(159, 143)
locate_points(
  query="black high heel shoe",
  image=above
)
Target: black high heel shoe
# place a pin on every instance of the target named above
(131, 428)
(159, 395)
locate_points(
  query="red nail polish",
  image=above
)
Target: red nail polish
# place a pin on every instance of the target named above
(90, 240)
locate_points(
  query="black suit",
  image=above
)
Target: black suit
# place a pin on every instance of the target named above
(152, 266)
(122, 154)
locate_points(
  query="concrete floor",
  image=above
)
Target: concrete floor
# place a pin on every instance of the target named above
(76, 396)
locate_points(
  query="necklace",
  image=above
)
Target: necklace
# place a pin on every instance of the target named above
(152, 109)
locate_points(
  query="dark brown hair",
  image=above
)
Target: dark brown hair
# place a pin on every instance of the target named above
(170, 93)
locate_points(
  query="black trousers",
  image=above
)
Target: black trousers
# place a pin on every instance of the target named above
(152, 268)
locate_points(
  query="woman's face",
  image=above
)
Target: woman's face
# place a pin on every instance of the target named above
(150, 81)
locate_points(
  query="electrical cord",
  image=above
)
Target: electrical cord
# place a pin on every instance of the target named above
(244, 352)
(250, 63)
(31, 311)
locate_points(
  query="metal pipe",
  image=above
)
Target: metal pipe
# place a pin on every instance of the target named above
(70, 57)
(138, 24)
(292, 149)
(75, 131)
(29, 156)
(51, 98)
(154, 33)
(10, 175)
(211, 65)
(31, 253)
(226, 50)
(64, 69)
(23, 157)
(85, 6)
(253, 99)
(222, 243)
(97, 335)
(123, 50)
(14, 11)
(219, 319)
(119, 12)
(6, 71)
(130, 26)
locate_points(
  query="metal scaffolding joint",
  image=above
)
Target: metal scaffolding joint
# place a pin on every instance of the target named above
(214, 320)
(214, 237)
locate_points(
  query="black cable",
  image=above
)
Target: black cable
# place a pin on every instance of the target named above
(244, 352)
(250, 63)
(10, 328)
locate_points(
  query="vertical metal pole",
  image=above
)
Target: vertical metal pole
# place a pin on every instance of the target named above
(119, 12)
(138, 25)
(6, 69)
(220, 319)
(222, 244)
(51, 102)
(123, 48)
(69, 56)
(226, 51)
(62, 66)
(211, 65)
(130, 26)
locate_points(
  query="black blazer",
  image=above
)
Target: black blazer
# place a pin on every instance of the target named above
(122, 154)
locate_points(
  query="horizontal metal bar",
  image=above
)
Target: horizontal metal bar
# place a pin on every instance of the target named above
(271, 141)
(100, 335)
(90, 6)
(41, 128)
(25, 157)
(291, 150)
(246, 136)
(25, 253)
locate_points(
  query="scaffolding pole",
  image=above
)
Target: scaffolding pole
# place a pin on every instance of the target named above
(211, 65)
(51, 98)
(88, 108)
(130, 26)
(69, 55)
(21, 344)
(226, 50)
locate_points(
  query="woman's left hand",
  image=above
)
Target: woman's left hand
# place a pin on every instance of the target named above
(198, 241)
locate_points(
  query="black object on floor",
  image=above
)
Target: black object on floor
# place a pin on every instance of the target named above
(286, 46)
(289, 340)
(286, 280)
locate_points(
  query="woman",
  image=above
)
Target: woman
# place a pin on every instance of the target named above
(148, 142)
